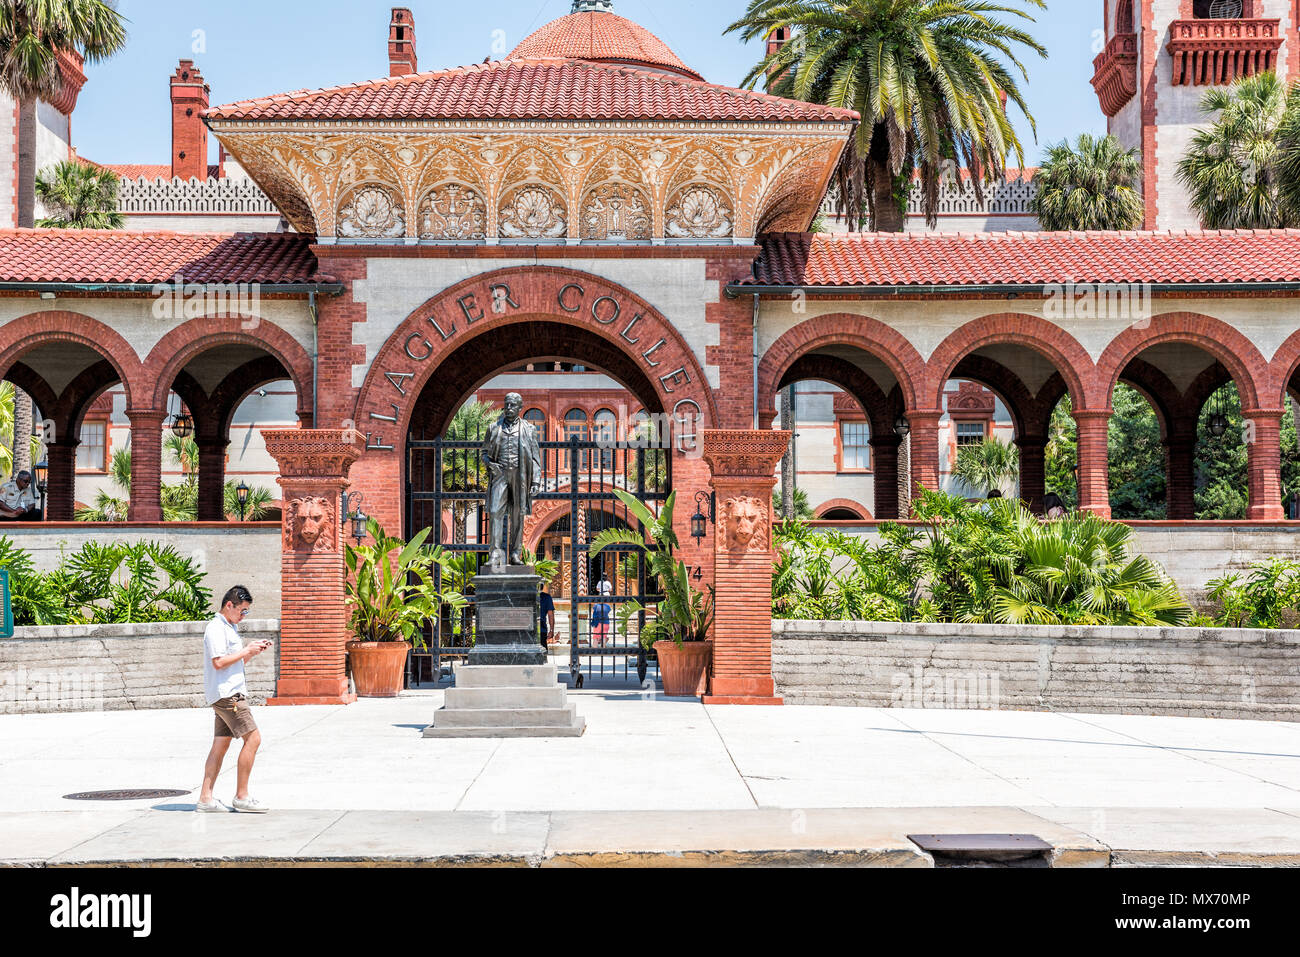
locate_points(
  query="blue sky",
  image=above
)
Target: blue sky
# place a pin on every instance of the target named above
(248, 48)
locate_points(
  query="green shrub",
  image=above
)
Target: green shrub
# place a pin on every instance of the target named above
(1268, 598)
(991, 563)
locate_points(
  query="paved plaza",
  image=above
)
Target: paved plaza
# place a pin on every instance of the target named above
(655, 776)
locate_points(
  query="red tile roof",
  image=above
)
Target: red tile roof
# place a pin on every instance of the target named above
(530, 89)
(603, 37)
(96, 256)
(969, 259)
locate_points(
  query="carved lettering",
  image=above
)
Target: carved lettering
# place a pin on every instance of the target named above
(433, 320)
(581, 294)
(375, 443)
(625, 333)
(397, 412)
(680, 377)
(468, 303)
(411, 338)
(652, 350)
(595, 310)
(502, 297)
(396, 379)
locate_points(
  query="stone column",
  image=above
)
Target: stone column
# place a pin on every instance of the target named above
(314, 466)
(1094, 460)
(212, 479)
(1264, 464)
(1180, 471)
(146, 464)
(61, 487)
(925, 449)
(1033, 470)
(884, 466)
(743, 468)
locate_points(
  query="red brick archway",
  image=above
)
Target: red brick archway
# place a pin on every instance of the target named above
(847, 504)
(841, 329)
(43, 328)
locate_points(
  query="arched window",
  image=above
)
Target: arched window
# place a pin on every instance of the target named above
(1218, 9)
(1124, 17)
(538, 420)
(606, 433)
(575, 427)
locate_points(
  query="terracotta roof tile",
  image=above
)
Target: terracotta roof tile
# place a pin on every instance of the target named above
(531, 89)
(603, 37)
(969, 259)
(120, 257)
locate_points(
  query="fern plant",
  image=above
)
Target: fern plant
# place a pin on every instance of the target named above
(685, 613)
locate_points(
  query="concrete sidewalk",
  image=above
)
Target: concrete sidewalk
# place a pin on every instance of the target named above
(658, 780)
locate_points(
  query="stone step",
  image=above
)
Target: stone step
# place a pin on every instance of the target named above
(506, 676)
(500, 718)
(568, 732)
(467, 699)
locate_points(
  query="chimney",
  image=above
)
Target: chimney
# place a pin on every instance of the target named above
(189, 135)
(401, 44)
(777, 39)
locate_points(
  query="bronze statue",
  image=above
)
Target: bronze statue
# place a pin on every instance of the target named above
(514, 460)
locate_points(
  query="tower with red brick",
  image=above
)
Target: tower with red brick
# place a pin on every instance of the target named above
(1155, 60)
(402, 59)
(189, 135)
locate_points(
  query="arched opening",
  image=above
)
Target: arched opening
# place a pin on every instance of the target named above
(1124, 17)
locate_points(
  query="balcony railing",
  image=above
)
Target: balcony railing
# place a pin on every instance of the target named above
(1115, 73)
(1218, 52)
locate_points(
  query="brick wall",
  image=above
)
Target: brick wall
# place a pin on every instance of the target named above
(119, 667)
(1188, 671)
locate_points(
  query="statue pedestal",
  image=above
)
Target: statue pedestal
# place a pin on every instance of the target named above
(507, 606)
(507, 689)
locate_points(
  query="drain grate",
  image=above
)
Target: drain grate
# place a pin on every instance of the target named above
(984, 850)
(135, 795)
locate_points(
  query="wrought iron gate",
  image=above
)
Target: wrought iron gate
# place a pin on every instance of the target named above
(448, 478)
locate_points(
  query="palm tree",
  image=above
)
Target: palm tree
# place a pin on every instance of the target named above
(987, 465)
(7, 395)
(255, 509)
(463, 469)
(929, 77)
(1232, 167)
(78, 196)
(1288, 153)
(32, 37)
(1091, 185)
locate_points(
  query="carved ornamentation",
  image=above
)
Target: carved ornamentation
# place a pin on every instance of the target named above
(699, 212)
(453, 211)
(745, 454)
(309, 525)
(372, 212)
(313, 453)
(743, 524)
(534, 212)
(616, 211)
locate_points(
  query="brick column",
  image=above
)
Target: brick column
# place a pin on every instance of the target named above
(61, 487)
(1180, 471)
(146, 464)
(314, 466)
(212, 479)
(884, 465)
(1264, 464)
(743, 468)
(1094, 460)
(1033, 471)
(925, 449)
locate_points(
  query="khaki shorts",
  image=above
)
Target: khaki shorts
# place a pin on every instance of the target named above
(234, 718)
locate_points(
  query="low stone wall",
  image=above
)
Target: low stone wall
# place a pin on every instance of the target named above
(1192, 553)
(120, 667)
(230, 554)
(1220, 673)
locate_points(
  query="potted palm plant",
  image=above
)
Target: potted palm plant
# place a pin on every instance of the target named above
(391, 592)
(678, 628)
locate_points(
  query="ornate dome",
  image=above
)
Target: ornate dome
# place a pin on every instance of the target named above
(594, 32)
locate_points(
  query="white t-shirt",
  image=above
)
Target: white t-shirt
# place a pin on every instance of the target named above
(219, 640)
(604, 587)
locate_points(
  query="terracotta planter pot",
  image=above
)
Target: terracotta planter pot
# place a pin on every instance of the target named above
(378, 667)
(685, 669)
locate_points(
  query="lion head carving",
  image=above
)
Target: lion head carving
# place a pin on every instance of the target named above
(745, 524)
(310, 524)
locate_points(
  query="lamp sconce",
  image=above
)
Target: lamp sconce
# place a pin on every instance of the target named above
(241, 496)
(902, 427)
(700, 521)
(358, 518)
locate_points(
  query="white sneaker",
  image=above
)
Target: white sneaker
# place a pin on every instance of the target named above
(250, 806)
(215, 807)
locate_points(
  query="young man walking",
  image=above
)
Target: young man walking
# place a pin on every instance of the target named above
(224, 655)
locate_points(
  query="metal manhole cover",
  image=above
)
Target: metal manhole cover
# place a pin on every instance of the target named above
(135, 795)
